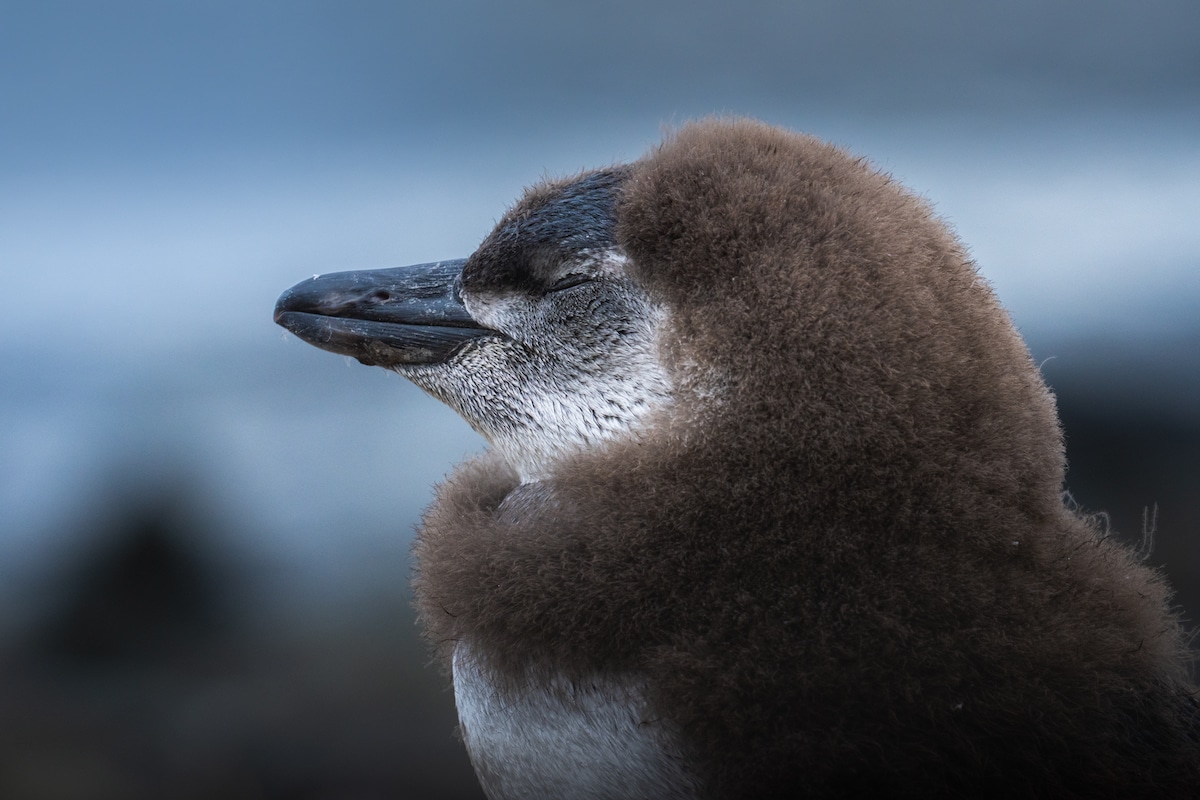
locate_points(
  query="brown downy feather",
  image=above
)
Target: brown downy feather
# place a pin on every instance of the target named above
(842, 560)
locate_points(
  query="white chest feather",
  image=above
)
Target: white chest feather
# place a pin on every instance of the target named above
(579, 741)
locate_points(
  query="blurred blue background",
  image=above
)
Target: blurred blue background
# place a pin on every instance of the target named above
(204, 523)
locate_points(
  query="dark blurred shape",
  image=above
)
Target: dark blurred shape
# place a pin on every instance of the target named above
(147, 595)
(1143, 472)
(155, 674)
(1131, 416)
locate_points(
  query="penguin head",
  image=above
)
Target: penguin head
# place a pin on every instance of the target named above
(542, 340)
(740, 286)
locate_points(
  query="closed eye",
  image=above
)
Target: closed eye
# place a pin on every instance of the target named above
(567, 281)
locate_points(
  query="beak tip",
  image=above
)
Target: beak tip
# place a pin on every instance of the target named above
(281, 307)
(292, 299)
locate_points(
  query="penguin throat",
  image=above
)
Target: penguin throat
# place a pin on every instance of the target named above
(587, 425)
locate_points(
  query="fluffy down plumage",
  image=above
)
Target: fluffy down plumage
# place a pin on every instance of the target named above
(840, 557)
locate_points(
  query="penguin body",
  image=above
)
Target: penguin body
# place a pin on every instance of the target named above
(774, 505)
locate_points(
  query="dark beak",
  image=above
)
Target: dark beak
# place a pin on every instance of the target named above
(383, 317)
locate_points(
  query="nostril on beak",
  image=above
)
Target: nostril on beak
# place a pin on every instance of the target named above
(380, 296)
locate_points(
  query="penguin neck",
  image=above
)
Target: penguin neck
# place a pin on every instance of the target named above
(538, 455)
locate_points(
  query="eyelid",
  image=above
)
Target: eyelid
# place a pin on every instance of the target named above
(567, 281)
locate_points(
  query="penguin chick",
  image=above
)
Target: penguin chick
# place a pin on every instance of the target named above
(774, 500)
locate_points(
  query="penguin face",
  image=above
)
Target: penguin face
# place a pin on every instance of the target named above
(541, 339)
(575, 362)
